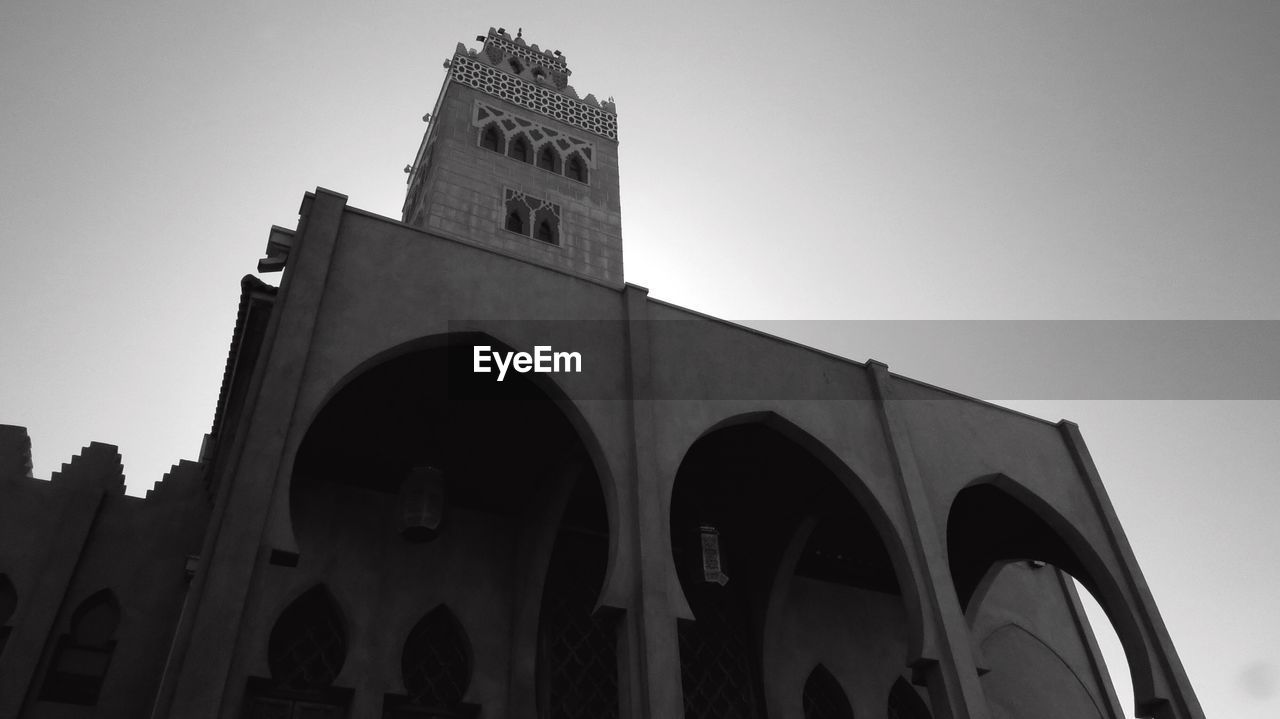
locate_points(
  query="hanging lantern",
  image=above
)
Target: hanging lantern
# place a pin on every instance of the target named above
(421, 504)
(712, 562)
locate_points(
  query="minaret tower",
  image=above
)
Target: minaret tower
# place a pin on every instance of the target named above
(513, 160)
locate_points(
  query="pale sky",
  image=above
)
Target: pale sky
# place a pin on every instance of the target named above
(780, 162)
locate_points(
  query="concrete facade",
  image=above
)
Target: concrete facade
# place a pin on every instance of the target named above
(704, 522)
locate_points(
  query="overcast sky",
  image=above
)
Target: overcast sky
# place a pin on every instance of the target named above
(780, 162)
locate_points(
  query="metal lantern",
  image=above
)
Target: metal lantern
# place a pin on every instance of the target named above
(421, 504)
(712, 561)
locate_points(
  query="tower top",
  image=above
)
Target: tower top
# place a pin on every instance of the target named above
(532, 78)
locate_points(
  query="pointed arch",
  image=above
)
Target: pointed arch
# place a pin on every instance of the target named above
(514, 222)
(83, 655)
(546, 225)
(824, 698)
(905, 702)
(518, 148)
(491, 138)
(576, 169)
(425, 362)
(548, 158)
(436, 662)
(308, 644)
(995, 519)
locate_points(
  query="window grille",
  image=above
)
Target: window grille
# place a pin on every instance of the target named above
(436, 663)
(578, 663)
(715, 659)
(308, 645)
(305, 653)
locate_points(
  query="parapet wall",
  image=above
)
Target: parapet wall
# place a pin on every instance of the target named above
(75, 538)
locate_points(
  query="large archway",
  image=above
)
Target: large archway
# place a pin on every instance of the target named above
(784, 570)
(420, 484)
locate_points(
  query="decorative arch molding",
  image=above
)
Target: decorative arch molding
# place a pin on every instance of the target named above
(890, 535)
(614, 591)
(1047, 536)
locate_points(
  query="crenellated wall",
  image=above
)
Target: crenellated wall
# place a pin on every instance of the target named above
(75, 537)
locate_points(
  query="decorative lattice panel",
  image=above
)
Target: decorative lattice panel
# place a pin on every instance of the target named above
(715, 663)
(824, 698)
(509, 124)
(436, 662)
(579, 665)
(522, 93)
(308, 644)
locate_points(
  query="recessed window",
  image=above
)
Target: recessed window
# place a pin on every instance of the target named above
(491, 138)
(545, 232)
(83, 655)
(305, 653)
(516, 67)
(515, 223)
(519, 149)
(548, 158)
(532, 217)
(575, 168)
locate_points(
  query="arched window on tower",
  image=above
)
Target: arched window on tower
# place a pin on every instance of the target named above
(83, 655)
(305, 653)
(515, 223)
(491, 138)
(519, 149)
(548, 158)
(545, 233)
(575, 168)
(8, 604)
(824, 698)
(905, 702)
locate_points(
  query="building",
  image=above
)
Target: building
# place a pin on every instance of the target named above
(679, 516)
